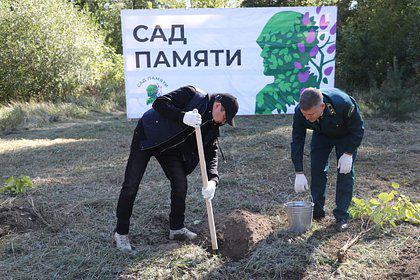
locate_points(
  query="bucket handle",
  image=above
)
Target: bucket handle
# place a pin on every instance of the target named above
(310, 197)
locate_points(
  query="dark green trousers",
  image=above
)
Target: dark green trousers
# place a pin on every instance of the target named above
(321, 147)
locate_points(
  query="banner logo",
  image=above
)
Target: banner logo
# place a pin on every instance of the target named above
(153, 87)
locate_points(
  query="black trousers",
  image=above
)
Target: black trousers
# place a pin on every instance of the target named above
(173, 166)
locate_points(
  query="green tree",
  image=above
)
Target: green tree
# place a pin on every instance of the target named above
(214, 3)
(378, 31)
(49, 51)
(393, 100)
(107, 14)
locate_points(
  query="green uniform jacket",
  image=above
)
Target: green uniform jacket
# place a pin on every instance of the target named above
(341, 120)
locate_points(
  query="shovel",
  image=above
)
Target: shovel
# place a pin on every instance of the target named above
(204, 177)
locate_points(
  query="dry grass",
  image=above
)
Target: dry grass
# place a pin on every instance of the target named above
(24, 115)
(78, 167)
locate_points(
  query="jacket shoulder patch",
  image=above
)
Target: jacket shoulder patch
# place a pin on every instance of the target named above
(330, 108)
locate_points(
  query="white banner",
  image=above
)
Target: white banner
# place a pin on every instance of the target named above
(263, 56)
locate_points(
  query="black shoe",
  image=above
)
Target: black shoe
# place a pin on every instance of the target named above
(342, 225)
(318, 217)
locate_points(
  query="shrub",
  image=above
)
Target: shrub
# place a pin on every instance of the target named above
(17, 186)
(49, 51)
(387, 210)
(395, 100)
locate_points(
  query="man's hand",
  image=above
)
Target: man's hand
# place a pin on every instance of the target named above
(301, 184)
(192, 119)
(208, 193)
(344, 163)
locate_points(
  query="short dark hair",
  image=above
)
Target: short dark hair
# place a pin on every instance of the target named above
(310, 98)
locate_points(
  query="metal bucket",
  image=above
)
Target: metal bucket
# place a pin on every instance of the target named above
(299, 215)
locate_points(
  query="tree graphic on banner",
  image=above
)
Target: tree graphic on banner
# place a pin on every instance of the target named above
(290, 41)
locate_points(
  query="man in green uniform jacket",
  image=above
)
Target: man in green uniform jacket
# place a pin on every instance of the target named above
(336, 122)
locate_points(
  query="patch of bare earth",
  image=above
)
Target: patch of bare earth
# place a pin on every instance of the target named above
(408, 264)
(17, 220)
(240, 231)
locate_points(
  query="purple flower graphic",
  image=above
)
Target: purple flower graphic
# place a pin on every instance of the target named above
(331, 49)
(314, 51)
(303, 77)
(322, 23)
(328, 70)
(333, 29)
(297, 65)
(318, 9)
(301, 47)
(305, 19)
(311, 36)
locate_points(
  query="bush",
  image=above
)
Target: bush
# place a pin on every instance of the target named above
(388, 209)
(17, 186)
(394, 99)
(376, 32)
(50, 51)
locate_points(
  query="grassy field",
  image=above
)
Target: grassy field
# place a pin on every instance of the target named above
(62, 228)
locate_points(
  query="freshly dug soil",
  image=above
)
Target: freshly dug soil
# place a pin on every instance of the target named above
(17, 220)
(240, 231)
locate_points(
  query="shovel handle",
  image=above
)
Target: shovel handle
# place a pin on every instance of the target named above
(204, 178)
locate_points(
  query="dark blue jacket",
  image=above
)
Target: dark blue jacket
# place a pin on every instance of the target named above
(341, 120)
(164, 130)
(159, 129)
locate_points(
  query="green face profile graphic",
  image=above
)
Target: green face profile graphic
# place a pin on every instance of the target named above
(152, 92)
(288, 42)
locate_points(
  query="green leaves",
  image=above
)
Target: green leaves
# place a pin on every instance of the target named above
(284, 86)
(50, 51)
(18, 186)
(386, 197)
(395, 185)
(388, 210)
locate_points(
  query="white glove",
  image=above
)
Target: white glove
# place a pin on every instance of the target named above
(208, 193)
(301, 184)
(192, 119)
(344, 163)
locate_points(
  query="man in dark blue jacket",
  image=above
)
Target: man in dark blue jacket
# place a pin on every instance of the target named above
(336, 122)
(167, 132)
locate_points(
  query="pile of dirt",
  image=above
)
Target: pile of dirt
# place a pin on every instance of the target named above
(18, 220)
(240, 231)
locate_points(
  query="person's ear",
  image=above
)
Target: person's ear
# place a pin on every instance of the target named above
(323, 105)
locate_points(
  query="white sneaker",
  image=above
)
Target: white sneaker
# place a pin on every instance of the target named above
(182, 234)
(122, 242)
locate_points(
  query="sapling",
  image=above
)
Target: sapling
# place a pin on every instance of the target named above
(17, 186)
(384, 213)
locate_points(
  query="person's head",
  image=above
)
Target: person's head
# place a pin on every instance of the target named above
(311, 104)
(278, 39)
(224, 109)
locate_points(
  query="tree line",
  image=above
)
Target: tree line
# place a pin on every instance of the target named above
(377, 54)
